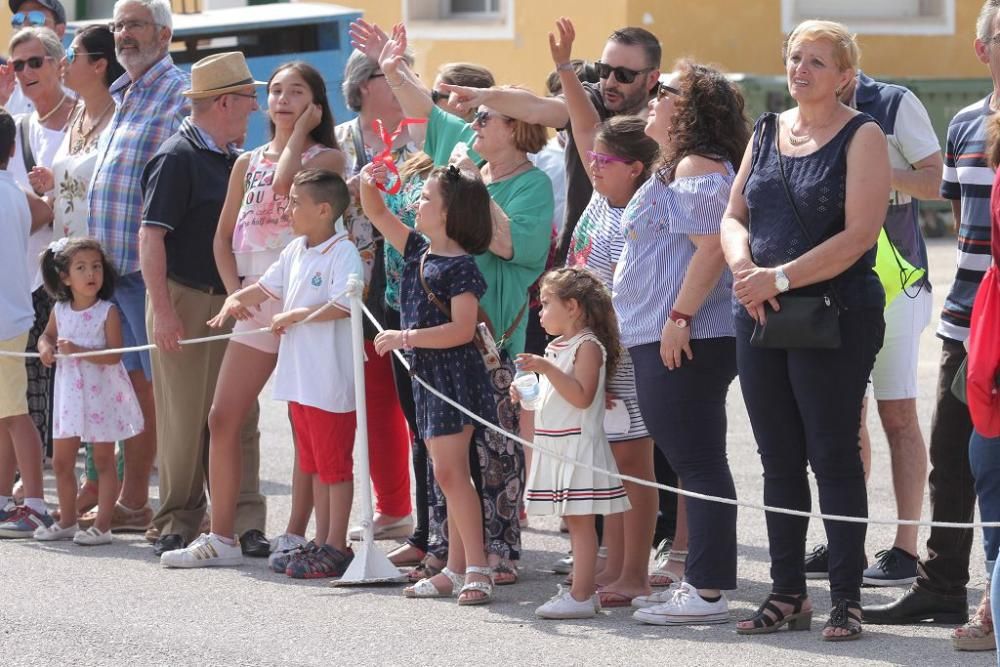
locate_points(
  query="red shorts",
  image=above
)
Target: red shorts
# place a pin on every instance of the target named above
(325, 442)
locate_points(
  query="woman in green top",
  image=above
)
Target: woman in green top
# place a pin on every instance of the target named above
(522, 214)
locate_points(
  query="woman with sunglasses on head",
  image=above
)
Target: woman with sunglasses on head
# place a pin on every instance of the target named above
(619, 156)
(522, 202)
(799, 235)
(678, 329)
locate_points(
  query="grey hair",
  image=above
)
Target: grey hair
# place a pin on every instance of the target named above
(987, 15)
(160, 9)
(50, 41)
(360, 68)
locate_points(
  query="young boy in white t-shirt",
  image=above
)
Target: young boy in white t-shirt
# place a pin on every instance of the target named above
(23, 214)
(315, 371)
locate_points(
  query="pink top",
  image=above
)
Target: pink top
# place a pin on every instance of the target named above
(263, 225)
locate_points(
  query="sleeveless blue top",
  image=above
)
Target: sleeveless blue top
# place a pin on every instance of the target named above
(818, 183)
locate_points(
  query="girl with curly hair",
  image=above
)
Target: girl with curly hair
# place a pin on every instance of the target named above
(678, 329)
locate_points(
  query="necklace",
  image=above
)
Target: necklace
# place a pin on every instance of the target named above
(42, 119)
(82, 138)
(797, 140)
(494, 178)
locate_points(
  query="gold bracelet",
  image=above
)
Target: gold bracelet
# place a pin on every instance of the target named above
(398, 85)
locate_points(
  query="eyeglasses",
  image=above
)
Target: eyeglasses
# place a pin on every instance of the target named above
(663, 90)
(602, 160)
(33, 18)
(376, 75)
(72, 53)
(623, 74)
(129, 26)
(483, 117)
(437, 96)
(251, 96)
(34, 62)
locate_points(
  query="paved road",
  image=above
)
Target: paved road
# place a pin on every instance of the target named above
(62, 604)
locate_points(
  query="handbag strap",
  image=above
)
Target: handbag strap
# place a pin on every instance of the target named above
(27, 152)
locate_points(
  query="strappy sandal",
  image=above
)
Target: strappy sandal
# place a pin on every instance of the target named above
(425, 588)
(484, 587)
(764, 624)
(977, 634)
(662, 577)
(504, 574)
(424, 570)
(846, 615)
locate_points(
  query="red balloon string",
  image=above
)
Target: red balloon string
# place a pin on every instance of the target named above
(385, 157)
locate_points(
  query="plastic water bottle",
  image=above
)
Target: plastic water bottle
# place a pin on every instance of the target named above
(527, 386)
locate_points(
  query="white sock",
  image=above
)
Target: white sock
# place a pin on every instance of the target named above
(225, 540)
(5, 500)
(37, 504)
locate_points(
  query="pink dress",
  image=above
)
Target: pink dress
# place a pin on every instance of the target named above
(93, 402)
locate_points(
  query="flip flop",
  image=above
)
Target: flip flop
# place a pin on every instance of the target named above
(614, 599)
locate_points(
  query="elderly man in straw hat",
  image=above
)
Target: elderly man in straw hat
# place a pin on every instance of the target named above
(184, 187)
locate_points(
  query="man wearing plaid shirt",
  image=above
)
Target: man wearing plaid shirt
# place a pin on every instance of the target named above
(150, 109)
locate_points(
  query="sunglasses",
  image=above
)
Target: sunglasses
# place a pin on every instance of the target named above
(72, 53)
(623, 74)
(663, 90)
(33, 18)
(437, 96)
(34, 62)
(602, 160)
(483, 117)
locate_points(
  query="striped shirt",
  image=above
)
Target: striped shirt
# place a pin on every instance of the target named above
(967, 177)
(150, 109)
(597, 239)
(656, 225)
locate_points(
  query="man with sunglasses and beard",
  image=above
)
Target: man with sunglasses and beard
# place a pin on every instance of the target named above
(629, 71)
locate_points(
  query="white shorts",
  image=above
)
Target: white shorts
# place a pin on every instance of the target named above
(894, 376)
(265, 342)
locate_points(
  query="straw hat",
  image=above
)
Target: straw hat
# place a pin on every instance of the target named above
(220, 74)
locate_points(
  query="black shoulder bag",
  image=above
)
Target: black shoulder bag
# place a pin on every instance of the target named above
(810, 322)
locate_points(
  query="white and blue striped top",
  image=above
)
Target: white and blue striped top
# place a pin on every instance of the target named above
(656, 225)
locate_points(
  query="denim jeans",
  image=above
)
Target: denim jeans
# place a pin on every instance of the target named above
(984, 459)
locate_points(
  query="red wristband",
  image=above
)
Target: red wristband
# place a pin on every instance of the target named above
(680, 319)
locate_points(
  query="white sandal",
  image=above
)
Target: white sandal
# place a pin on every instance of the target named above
(663, 576)
(484, 587)
(92, 537)
(425, 588)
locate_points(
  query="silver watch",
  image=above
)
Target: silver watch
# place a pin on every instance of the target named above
(781, 280)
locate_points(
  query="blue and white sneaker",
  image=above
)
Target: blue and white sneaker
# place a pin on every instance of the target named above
(8, 511)
(24, 522)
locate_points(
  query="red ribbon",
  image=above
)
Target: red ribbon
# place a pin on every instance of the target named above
(385, 157)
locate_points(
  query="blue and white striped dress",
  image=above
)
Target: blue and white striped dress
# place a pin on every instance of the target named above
(597, 244)
(657, 251)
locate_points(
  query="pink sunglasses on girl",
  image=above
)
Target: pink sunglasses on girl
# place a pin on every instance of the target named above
(603, 159)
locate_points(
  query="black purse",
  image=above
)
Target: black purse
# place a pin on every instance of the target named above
(804, 322)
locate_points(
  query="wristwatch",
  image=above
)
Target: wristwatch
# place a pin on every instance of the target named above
(781, 280)
(679, 319)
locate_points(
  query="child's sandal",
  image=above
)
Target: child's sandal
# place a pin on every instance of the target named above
(845, 615)
(423, 571)
(484, 587)
(425, 588)
(764, 624)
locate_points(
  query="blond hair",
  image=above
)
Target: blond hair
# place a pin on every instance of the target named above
(846, 51)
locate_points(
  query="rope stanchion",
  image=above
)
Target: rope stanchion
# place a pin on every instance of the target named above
(678, 491)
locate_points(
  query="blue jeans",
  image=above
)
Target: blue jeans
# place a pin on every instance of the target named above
(984, 460)
(130, 297)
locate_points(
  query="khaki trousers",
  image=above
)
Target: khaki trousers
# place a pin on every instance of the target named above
(183, 387)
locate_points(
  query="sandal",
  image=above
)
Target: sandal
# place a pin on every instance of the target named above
(399, 557)
(846, 615)
(764, 624)
(425, 588)
(484, 587)
(662, 576)
(505, 574)
(424, 570)
(977, 634)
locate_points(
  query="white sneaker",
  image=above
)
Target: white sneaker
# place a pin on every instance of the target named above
(654, 599)
(564, 565)
(283, 544)
(206, 551)
(563, 606)
(685, 607)
(54, 532)
(396, 530)
(92, 537)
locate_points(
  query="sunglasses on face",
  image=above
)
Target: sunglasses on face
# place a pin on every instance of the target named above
(623, 74)
(602, 160)
(33, 18)
(483, 117)
(34, 62)
(437, 96)
(72, 53)
(663, 90)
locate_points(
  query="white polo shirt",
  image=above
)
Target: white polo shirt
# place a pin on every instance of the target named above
(16, 311)
(315, 365)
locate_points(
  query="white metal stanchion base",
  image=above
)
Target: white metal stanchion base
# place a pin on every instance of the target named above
(370, 566)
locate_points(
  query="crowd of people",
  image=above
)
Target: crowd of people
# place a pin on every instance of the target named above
(596, 293)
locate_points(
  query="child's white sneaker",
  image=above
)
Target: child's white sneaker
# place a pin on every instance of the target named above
(685, 607)
(92, 537)
(564, 606)
(656, 598)
(206, 551)
(54, 532)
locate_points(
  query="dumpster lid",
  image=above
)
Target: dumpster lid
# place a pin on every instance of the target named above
(248, 18)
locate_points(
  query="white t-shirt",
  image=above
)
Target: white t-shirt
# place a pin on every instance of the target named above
(16, 311)
(912, 139)
(18, 103)
(552, 160)
(315, 365)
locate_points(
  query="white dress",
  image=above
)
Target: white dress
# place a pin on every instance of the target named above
(93, 402)
(555, 487)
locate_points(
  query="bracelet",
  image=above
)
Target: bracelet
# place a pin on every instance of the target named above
(565, 67)
(406, 339)
(398, 85)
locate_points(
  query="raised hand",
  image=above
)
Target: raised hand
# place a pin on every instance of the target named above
(562, 50)
(368, 38)
(464, 98)
(392, 55)
(309, 119)
(374, 173)
(7, 82)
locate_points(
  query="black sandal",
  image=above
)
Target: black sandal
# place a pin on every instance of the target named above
(846, 615)
(764, 624)
(425, 570)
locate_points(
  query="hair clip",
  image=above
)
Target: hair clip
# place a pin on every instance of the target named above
(454, 173)
(58, 245)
